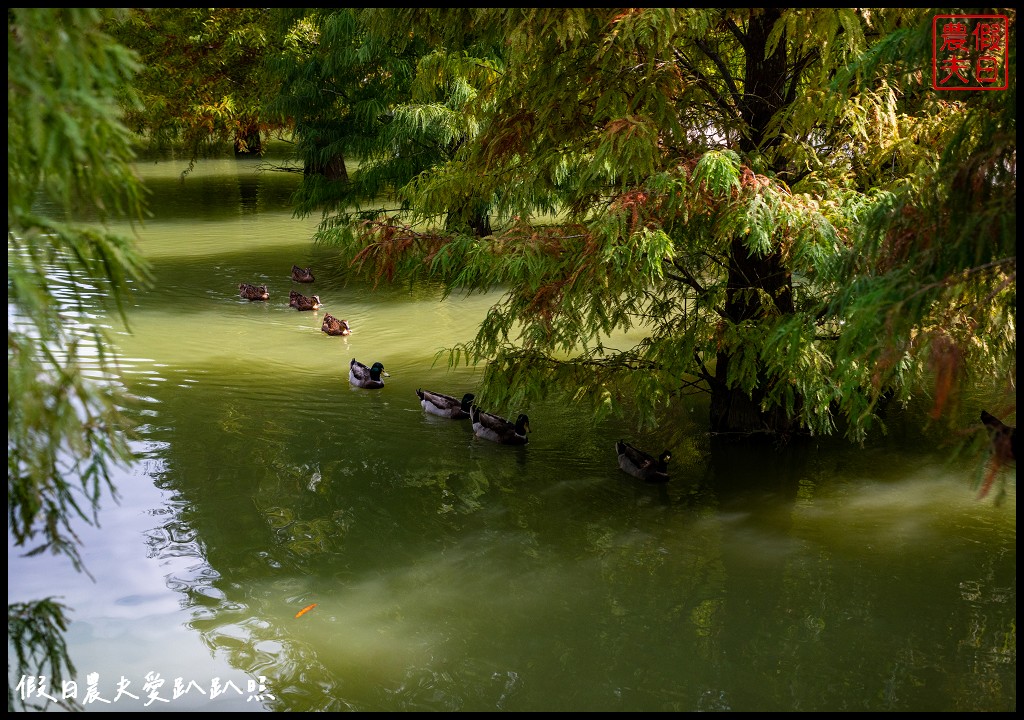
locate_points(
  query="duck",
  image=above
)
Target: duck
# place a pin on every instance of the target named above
(301, 302)
(498, 429)
(333, 326)
(366, 377)
(642, 465)
(302, 275)
(1004, 438)
(445, 405)
(253, 292)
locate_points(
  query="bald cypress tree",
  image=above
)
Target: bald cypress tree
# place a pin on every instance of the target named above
(201, 81)
(755, 192)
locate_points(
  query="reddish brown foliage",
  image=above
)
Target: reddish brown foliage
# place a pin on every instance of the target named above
(507, 137)
(385, 244)
(946, 362)
(912, 234)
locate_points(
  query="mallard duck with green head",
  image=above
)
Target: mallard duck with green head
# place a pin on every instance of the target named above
(445, 406)
(253, 292)
(643, 465)
(498, 429)
(302, 275)
(366, 377)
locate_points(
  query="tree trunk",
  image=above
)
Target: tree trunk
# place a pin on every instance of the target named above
(753, 277)
(736, 412)
(750, 278)
(481, 224)
(332, 170)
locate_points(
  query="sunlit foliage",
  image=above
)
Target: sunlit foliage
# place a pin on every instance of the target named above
(768, 199)
(202, 79)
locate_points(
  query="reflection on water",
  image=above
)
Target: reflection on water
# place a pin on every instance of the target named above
(450, 573)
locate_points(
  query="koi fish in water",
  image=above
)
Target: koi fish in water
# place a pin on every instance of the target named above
(305, 610)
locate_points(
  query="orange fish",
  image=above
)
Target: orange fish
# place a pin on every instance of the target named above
(305, 610)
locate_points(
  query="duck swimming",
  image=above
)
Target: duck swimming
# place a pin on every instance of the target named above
(301, 302)
(641, 465)
(333, 326)
(445, 405)
(302, 275)
(253, 292)
(497, 429)
(366, 377)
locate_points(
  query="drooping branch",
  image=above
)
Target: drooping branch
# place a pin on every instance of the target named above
(686, 277)
(723, 70)
(705, 83)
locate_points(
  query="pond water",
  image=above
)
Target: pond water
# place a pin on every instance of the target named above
(443, 572)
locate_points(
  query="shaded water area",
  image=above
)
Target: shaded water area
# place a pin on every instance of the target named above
(450, 573)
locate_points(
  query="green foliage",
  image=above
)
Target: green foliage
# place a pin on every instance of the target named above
(934, 273)
(202, 81)
(35, 631)
(718, 171)
(65, 432)
(359, 86)
(753, 202)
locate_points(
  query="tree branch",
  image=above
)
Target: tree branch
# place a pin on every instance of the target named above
(702, 371)
(737, 33)
(707, 86)
(722, 69)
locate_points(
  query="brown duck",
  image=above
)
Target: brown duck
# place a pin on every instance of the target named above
(301, 302)
(253, 292)
(302, 275)
(334, 326)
